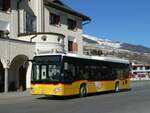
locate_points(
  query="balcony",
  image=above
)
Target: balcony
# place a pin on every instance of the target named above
(46, 43)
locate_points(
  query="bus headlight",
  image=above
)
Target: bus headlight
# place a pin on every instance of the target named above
(58, 89)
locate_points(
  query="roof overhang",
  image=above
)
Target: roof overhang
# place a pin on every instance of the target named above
(67, 10)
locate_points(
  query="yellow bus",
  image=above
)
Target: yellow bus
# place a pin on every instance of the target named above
(66, 75)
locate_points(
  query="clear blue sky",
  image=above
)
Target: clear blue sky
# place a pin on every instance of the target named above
(117, 20)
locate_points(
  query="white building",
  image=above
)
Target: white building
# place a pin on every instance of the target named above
(140, 72)
(30, 27)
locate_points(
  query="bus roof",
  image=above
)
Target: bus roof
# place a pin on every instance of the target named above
(100, 58)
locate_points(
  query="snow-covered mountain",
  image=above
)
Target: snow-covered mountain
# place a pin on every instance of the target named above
(104, 42)
(124, 50)
(118, 45)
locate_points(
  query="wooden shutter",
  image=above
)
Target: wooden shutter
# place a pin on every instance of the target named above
(57, 19)
(75, 47)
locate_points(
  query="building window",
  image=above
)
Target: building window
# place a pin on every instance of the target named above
(30, 23)
(4, 5)
(1, 4)
(147, 67)
(72, 46)
(54, 19)
(1, 34)
(72, 24)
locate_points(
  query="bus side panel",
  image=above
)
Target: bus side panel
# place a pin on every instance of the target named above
(100, 86)
(124, 84)
(108, 85)
(94, 86)
(73, 88)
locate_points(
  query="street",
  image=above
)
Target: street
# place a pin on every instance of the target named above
(135, 101)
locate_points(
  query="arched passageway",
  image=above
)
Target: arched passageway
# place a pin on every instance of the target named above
(2, 77)
(17, 73)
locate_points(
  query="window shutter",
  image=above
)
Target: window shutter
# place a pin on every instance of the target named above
(75, 47)
(57, 19)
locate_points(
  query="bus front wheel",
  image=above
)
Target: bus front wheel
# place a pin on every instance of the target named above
(83, 90)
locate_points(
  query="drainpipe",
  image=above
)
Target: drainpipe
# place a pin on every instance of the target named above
(18, 7)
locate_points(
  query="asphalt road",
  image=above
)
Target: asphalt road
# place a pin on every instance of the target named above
(135, 101)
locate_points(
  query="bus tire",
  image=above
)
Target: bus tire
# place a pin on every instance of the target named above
(83, 90)
(117, 87)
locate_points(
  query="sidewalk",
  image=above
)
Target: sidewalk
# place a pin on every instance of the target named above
(15, 94)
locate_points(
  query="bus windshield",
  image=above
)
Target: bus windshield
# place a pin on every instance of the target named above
(46, 69)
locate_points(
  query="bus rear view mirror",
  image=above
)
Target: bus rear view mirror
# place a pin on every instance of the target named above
(66, 66)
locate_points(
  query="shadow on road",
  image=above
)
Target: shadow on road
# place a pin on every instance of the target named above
(58, 97)
(77, 97)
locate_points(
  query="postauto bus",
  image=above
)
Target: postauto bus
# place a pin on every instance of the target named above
(65, 75)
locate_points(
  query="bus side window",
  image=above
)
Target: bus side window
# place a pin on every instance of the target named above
(68, 76)
(43, 71)
(70, 73)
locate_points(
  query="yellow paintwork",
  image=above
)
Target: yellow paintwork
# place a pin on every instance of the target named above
(73, 89)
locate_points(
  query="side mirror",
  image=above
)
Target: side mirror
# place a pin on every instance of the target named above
(65, 66)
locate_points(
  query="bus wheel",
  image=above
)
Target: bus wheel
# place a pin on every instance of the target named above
(83, 91)
(117, 87)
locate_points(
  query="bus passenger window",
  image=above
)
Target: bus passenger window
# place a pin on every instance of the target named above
(83, 74)
(36, 71)
(69, 74)
(43, 72)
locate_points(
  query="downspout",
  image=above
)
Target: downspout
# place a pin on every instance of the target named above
(18, 7)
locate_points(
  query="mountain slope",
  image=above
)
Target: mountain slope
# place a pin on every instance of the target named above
(136, 53)
(135, 48)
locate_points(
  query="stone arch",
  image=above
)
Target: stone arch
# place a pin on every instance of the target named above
(2, 77)
(17, 73)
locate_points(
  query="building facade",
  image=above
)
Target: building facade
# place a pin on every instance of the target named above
(140, 72)
(32, 27)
